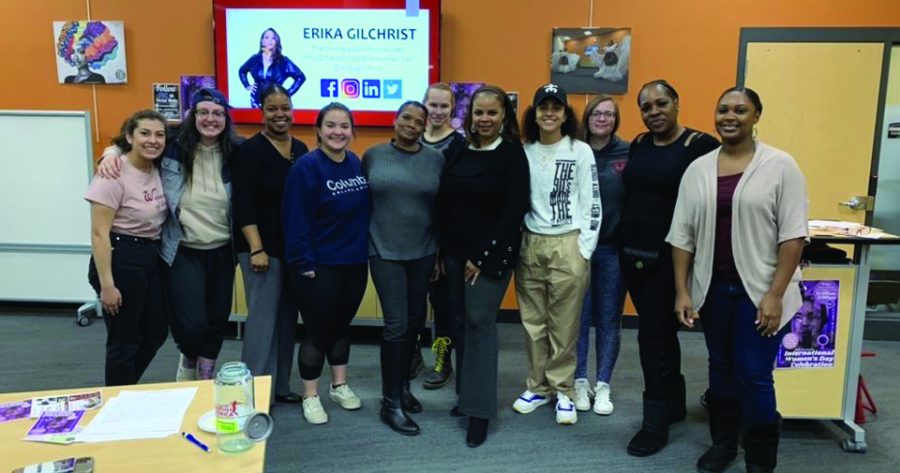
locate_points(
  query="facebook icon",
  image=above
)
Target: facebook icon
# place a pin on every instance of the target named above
(329, 87)
(371, 88)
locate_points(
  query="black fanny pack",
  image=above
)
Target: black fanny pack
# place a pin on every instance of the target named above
(640, 259)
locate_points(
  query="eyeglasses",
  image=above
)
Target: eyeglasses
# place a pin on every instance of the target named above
(596, 115)
(203, 113)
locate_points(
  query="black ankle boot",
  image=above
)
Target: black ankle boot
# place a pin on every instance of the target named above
(654, 433)
(443, 368)
(393, 415)
(417, 363)
(477, 431)
(410, 403)
(761, 447)
(724, 424)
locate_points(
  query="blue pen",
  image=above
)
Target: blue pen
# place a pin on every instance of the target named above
(195, 441)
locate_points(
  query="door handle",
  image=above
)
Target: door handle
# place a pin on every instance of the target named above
(860, 202)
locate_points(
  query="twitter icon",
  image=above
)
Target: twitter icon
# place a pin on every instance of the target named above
(392, 88)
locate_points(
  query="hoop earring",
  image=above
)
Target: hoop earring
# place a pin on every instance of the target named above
(472, 129)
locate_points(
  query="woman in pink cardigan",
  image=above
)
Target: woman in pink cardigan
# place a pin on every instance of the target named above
(738, 230)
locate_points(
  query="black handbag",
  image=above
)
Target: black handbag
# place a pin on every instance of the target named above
(640, 259)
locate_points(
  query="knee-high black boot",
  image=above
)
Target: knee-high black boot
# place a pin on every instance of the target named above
(394, 364)
(654, 433)
(724, 425)
(761, 446)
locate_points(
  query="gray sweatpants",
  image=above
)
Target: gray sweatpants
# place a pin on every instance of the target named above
(271, 322)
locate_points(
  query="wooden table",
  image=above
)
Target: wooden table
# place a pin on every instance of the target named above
(155, 455)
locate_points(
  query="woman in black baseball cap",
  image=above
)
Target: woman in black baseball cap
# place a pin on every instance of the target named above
(554, 263)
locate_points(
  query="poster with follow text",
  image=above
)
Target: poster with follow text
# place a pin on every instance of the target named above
(368, 59)
(810, 341)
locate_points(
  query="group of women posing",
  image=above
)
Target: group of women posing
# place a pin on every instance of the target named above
(689, 226)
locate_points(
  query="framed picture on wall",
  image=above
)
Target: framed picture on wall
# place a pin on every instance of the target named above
(591, 60)
(90, 52)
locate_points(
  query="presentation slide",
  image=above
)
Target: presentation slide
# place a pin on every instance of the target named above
(371, 60)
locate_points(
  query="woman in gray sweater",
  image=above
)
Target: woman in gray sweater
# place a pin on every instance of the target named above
(404, 177)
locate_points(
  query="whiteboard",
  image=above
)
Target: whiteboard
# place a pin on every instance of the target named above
(45, 168)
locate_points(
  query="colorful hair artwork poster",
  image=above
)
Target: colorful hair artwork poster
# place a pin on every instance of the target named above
(191, 84)
(590, 60)
(810, 341)
(90, 52)
(462, 95)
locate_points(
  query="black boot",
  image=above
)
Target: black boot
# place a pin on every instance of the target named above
(724, 424)
(417, 363)
(476, 434)
(410, 403)
(654, 433)
(393, 415)
(677, 400)
(761, 447)
(394, 363)
(443, 368)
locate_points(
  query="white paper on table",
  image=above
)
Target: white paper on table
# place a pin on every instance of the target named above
(140, 415)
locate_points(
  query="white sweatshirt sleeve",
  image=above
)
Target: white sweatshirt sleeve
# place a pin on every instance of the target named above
(589, 206)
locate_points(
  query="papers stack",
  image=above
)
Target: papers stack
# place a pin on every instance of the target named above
(139, 415)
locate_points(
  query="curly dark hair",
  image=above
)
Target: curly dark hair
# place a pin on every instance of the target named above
(531, 132)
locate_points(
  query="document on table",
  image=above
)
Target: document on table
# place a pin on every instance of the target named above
(139, 415)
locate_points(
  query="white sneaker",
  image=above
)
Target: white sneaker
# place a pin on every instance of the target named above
(184, 373)
(528, 402)
(582, 394)
(602, 404)
(313, 411)
(565, 410)
(345, 397)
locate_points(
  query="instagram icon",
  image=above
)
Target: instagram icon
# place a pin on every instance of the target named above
(350, 88)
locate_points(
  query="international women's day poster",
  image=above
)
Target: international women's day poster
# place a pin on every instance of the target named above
(810, 341)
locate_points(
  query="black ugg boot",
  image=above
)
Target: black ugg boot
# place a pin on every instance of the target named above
(654, 433)
(724, 425)
(761, 447)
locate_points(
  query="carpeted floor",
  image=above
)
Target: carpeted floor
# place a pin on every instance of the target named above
(46, 350)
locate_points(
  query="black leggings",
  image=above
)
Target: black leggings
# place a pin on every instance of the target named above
(653, 293)
(328, 304)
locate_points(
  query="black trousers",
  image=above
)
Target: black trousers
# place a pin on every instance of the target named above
(134, 334)
(439, 296)
(328, 304)
(652, 290)
(200, 284)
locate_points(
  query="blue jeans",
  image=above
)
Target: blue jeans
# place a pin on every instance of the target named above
(740, 359)
(603, 305)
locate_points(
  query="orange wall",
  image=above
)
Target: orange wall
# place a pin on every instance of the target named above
(691, 43)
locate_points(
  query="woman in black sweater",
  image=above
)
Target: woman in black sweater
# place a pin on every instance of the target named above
(483, 197)
(260, 171)
(656, 162)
